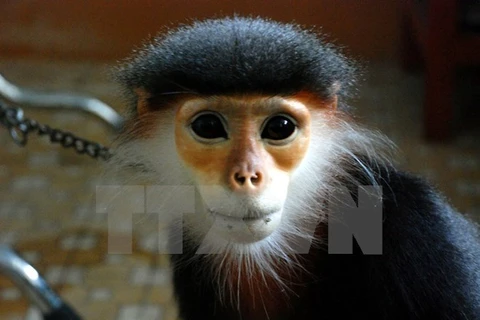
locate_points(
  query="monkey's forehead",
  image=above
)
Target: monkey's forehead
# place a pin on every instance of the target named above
(238, 55)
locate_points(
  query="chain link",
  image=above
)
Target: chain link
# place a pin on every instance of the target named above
(19, 127)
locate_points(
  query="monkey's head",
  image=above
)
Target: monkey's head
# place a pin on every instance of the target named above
(247, 111)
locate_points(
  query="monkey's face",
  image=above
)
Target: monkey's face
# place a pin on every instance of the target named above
(241, 153)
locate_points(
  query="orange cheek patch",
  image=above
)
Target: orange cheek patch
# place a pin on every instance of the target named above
(288, 157)
(209, 160)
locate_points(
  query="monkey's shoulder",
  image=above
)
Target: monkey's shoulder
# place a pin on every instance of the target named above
(430, 265)
(415, 207)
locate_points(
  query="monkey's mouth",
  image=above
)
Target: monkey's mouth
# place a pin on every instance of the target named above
(248, 217)
(247, 229)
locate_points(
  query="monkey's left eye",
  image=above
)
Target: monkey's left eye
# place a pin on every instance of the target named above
(208, 126)
(278, 128)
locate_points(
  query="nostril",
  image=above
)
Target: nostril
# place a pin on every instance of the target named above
(256, 178)
(239, 178)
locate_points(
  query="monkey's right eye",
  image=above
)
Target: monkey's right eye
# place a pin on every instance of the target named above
(208, 126)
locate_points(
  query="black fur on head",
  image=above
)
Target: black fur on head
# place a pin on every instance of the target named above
(236, 56)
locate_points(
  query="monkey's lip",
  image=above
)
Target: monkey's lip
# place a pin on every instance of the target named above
(247, 229)
(247, 218)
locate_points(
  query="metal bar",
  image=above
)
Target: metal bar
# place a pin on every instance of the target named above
(25, 97)
(28, 280)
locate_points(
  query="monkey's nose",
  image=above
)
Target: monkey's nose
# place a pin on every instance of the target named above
(247, 180)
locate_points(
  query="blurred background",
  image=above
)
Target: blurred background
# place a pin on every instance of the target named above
(420, 87)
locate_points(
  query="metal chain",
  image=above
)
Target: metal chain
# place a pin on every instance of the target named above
(20, 127)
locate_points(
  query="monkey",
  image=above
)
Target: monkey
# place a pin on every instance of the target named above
(253, 115)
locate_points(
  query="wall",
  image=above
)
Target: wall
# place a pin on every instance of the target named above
(103, 29)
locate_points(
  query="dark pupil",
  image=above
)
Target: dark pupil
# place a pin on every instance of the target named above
(278, 128)
(209, 126)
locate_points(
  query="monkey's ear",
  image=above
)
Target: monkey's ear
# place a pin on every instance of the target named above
(335, 89)
(142, 100)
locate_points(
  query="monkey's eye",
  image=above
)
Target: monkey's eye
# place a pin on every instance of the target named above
(208, 126)
(278, 128)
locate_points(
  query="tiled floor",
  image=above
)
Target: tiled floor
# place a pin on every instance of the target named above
(47, 194)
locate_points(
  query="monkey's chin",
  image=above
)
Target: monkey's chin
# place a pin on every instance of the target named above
(246, 230)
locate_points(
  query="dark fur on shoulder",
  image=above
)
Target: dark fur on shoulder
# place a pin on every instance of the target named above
(238, 55)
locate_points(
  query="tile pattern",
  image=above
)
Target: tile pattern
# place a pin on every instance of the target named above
(47, 207)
